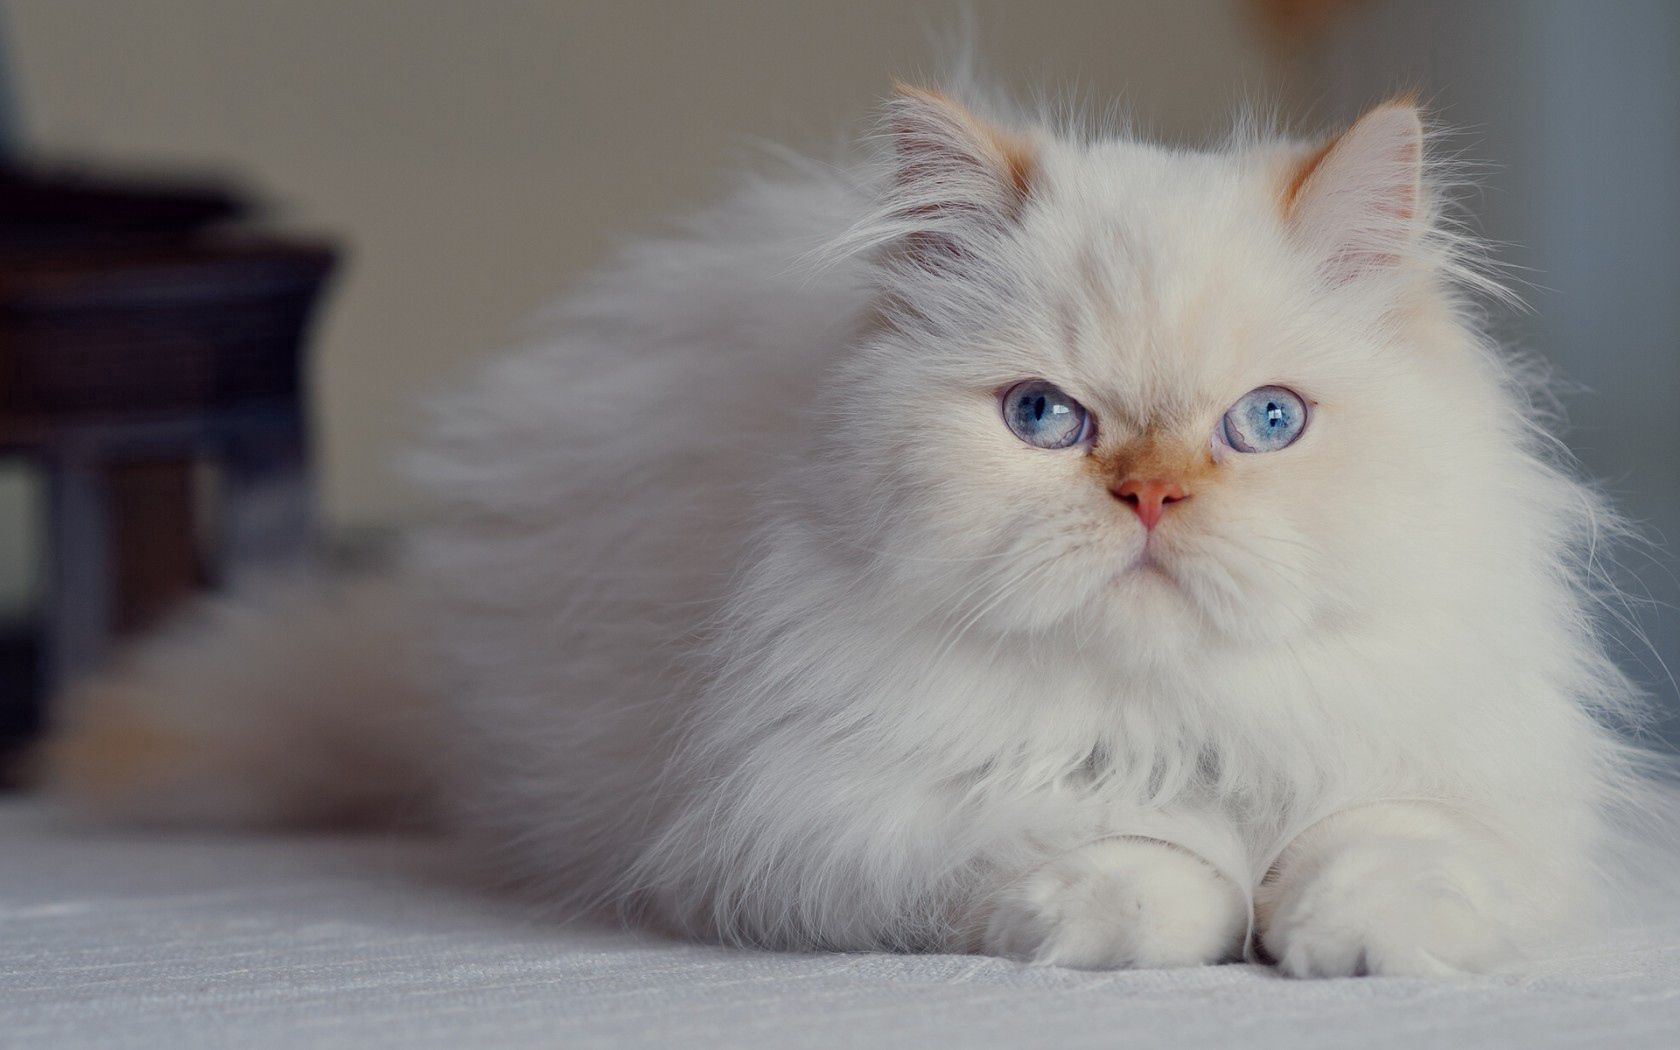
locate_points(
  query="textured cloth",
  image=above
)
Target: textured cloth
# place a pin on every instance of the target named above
(131, 939)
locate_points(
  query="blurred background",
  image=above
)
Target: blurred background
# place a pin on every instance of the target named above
(238, 239)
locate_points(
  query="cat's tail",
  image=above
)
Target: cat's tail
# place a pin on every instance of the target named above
(292, 702)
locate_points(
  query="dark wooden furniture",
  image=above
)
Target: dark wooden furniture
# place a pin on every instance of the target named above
(151, 365)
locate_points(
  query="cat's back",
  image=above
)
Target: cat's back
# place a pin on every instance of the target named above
(598, 490)
(672, 382)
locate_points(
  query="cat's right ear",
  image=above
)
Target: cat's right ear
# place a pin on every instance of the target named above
(1356, 202)
(956, 177)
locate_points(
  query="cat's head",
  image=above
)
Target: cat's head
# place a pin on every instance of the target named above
(1157, 398)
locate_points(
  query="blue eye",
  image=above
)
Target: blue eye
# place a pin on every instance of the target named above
(1264, 420)
(1041, 415)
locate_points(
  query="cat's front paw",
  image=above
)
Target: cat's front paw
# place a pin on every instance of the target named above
(1389, 906)
(1116, 904)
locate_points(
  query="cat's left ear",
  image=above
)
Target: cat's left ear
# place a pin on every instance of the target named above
(1356, 203)
(957, 177)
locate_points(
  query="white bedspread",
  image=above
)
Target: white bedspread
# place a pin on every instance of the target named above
(128, 939)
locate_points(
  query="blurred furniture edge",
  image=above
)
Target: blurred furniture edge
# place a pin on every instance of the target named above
(152, 367)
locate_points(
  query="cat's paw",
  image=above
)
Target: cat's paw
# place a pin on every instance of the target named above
(1120, 903)
(1388, 906)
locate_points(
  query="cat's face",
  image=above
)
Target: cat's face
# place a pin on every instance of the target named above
(1152, 405)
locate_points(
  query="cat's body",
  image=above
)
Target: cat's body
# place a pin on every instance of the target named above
(756, 618)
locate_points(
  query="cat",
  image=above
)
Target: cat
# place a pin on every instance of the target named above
(1013, 541)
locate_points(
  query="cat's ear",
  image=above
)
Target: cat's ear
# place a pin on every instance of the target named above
(1355, 203)
(955, 174)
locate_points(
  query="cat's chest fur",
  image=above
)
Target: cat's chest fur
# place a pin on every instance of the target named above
(1088, 722)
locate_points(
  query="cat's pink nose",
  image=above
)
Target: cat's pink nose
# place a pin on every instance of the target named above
(1149, 498)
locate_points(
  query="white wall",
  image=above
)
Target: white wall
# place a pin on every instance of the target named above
(474, 156)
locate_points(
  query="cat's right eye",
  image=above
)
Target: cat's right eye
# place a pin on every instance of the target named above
(1039, 413)
(1264, 420)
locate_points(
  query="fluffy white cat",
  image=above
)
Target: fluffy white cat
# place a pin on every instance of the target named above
(1034, 544)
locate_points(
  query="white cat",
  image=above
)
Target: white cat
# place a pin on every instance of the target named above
(1064, 548)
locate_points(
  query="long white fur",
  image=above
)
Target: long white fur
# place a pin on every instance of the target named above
(758, 623)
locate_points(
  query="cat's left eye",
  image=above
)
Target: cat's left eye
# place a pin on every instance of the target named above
(1264, 420)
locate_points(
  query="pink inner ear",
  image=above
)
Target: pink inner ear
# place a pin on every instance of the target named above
(1355, 203)
(1404, 164)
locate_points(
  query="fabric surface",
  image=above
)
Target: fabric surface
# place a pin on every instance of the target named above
(136, 939)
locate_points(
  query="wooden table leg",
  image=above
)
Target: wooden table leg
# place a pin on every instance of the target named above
(157, 561)
(79, 598)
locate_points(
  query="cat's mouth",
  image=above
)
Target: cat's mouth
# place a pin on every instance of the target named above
(1147, 563)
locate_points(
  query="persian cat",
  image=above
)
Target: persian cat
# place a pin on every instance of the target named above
(1016, 541)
